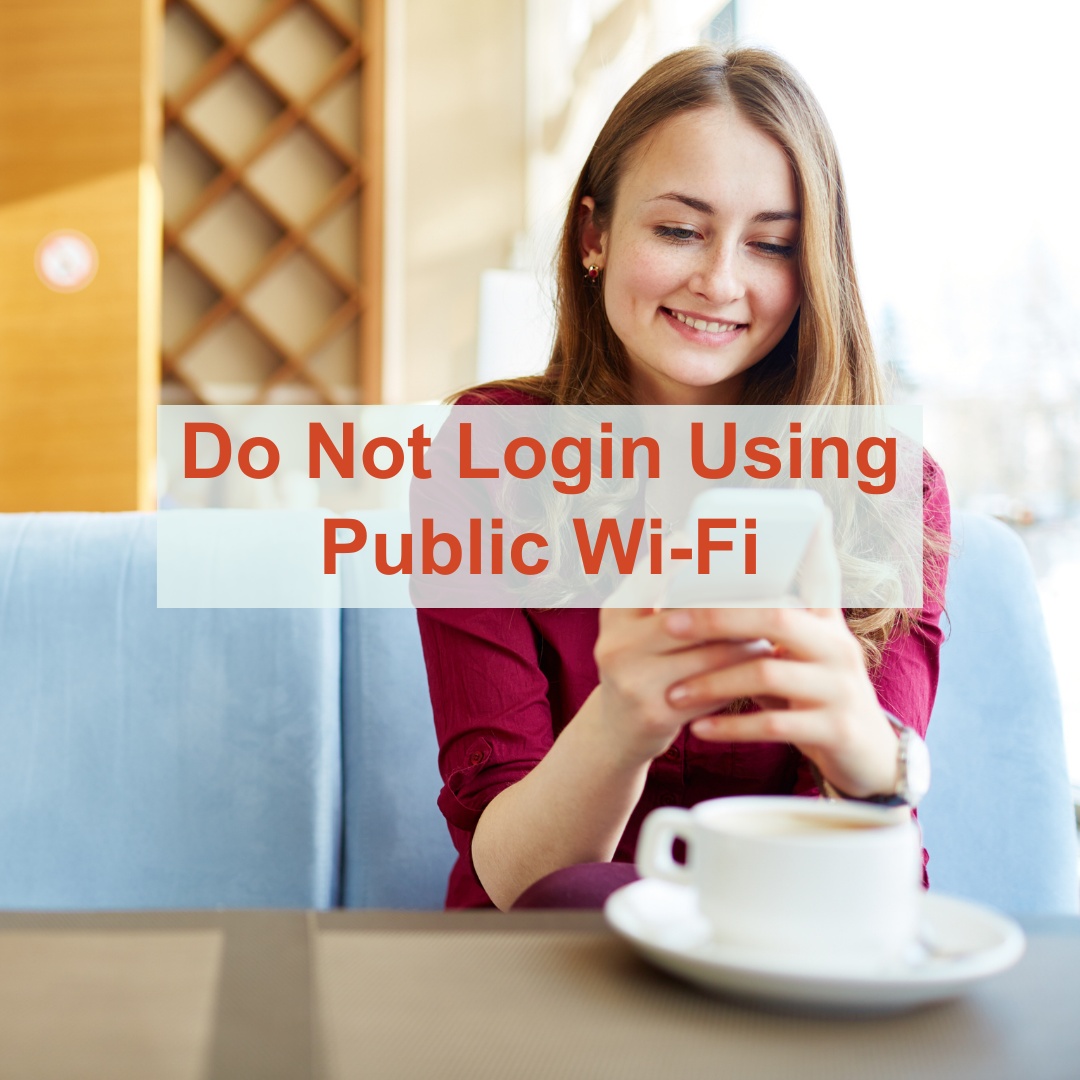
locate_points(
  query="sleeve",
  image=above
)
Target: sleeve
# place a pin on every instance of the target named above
(906, 679)
(490, 702)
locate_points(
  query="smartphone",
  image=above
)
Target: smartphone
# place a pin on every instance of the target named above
(746, 547)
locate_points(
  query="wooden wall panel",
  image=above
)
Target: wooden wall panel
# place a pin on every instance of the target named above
(71, 91)
(77, 387)
(79, 122)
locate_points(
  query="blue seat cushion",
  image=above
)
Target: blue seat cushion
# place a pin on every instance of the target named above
(398, 853)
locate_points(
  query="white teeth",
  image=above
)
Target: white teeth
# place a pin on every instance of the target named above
(702, 324)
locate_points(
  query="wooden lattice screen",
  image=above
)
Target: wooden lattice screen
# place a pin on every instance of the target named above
(272, 165)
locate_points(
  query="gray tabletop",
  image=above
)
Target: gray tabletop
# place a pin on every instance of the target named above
(324, 995)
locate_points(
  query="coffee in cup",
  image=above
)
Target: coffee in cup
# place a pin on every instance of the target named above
(794, 875)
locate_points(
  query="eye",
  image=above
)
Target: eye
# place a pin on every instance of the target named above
(676, 234)
(783, 251)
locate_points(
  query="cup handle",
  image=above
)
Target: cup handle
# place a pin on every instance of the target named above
(658, 832)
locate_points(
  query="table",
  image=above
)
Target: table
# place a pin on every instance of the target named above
(328, 995)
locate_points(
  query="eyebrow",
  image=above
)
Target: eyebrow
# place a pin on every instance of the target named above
(777, 215)
(687, 200)
(707, 208)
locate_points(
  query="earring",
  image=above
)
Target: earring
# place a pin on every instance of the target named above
(593, 272)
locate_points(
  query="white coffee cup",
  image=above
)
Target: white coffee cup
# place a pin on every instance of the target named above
(795, 875)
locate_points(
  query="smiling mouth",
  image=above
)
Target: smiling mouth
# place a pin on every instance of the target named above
(705, 325)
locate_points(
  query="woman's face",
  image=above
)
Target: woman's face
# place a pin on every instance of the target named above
(700, 275)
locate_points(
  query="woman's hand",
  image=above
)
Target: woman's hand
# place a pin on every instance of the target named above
(638, 660)
(574, 805)
(812, 686)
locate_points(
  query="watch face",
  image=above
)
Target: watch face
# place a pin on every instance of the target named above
(916, 771)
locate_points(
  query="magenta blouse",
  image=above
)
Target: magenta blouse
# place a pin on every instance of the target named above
(505, 682)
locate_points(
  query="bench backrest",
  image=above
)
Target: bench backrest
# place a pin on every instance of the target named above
(157, 758)
(998, 821)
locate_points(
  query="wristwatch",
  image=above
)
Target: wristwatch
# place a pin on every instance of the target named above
(912, 771)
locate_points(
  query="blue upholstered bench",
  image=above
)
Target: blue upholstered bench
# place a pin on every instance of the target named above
(998, 821)
(287, 758)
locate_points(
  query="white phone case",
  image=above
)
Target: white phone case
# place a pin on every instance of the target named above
(776, 531)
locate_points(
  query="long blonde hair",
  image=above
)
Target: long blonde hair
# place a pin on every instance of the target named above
(827, 355)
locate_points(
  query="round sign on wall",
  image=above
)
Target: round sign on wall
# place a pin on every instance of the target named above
(66, 261)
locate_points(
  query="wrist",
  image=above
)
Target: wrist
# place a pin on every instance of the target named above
(910, 772)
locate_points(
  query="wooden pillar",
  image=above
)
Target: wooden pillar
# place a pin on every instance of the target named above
(79, 131)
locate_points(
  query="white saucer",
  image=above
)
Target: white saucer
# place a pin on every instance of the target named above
(962, 944)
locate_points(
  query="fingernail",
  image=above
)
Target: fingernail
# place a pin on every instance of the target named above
(677, 693)
(679, 622)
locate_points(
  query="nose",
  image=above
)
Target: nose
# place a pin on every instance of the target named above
(716, 278)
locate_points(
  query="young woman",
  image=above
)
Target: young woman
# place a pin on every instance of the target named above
(705, 259)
